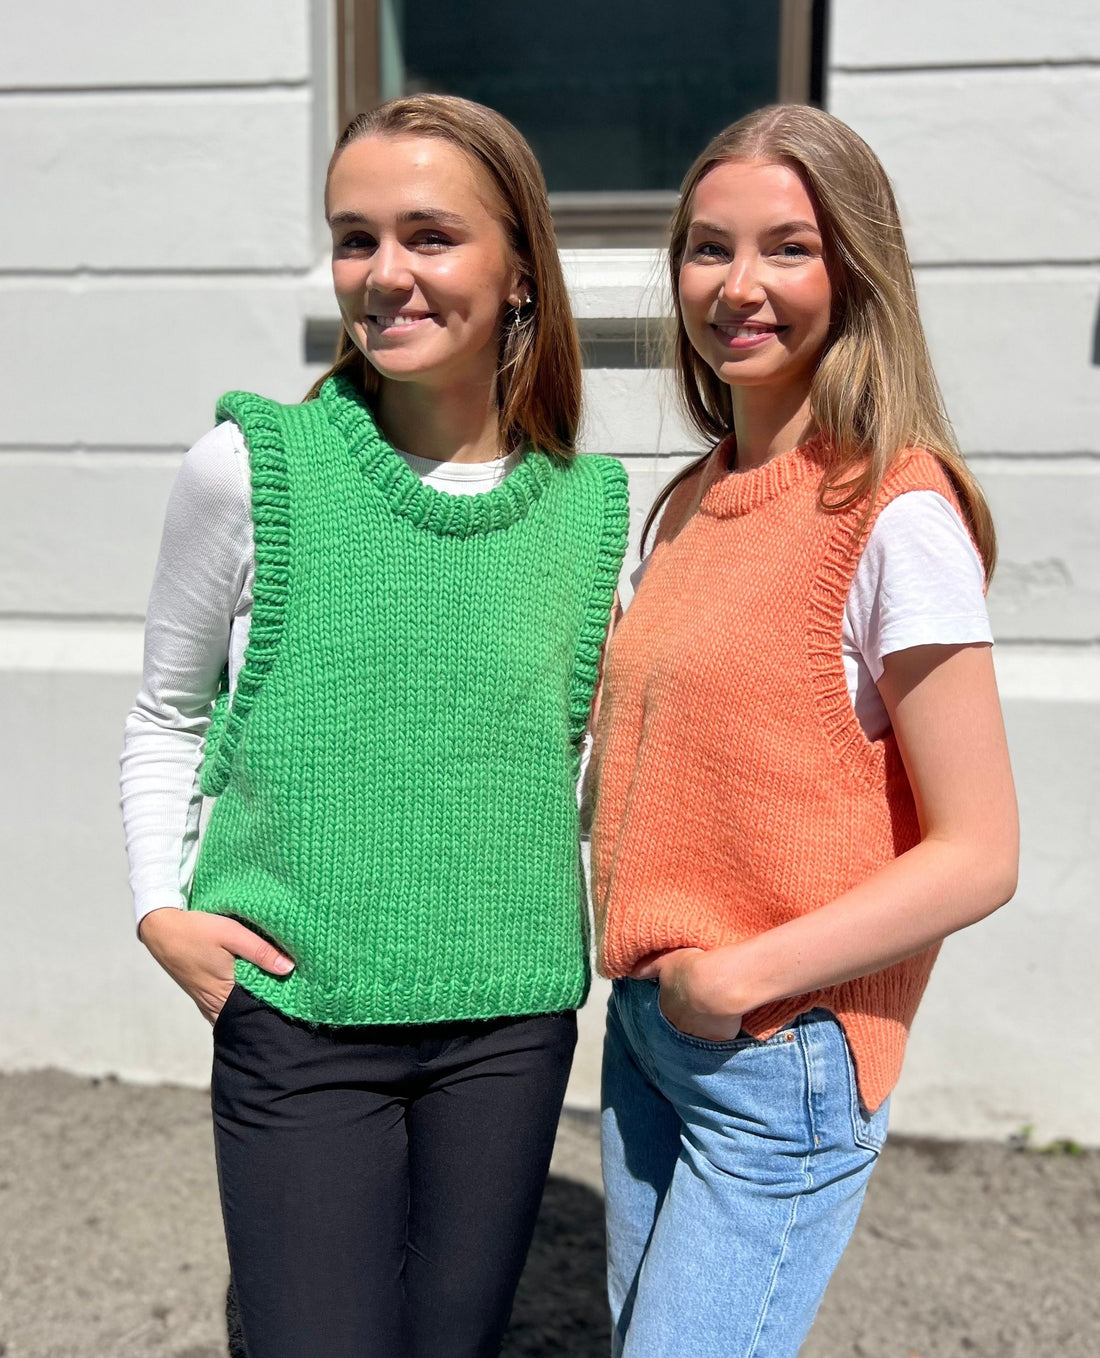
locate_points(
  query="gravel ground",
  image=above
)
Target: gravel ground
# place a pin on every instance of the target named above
(110, 1241)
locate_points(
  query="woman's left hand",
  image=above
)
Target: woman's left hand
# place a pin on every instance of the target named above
(692, 996)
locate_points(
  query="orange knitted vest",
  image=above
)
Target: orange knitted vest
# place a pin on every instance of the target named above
(734, 787)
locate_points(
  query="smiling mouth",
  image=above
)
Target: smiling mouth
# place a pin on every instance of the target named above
(746, 331)
(401, 320)
(734, 335)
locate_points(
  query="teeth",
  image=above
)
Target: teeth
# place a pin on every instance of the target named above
(387, 321)
(745, 331)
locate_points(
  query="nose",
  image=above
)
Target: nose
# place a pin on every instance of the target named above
(742, 286)
(389, 268)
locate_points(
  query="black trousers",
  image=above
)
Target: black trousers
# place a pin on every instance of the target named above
(380, 1184)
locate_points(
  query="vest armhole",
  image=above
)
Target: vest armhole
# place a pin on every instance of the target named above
(260, 423)
(614, 523)
(865, 759)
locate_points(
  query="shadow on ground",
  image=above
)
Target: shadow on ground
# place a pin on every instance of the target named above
(561, 1306)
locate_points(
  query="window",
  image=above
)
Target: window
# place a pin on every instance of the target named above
(616, 98)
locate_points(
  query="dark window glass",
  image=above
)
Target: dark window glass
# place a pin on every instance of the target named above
(612, 94)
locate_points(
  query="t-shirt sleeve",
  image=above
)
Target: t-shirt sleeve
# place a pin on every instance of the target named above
(919, 582)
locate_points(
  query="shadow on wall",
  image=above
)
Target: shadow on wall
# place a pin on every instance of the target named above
(561, 1307)
(1096, 339)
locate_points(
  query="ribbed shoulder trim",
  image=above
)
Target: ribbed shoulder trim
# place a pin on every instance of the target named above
(914, 470)
(407, 496)
(260, 422)
(609, 559)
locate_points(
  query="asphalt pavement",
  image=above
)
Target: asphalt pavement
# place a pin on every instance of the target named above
(110, 1241)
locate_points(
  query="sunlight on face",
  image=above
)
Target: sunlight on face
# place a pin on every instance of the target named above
(753, 285)
(421, 265)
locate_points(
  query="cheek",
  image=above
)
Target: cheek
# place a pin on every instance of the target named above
(472, 292)
(695, 299)
(347, 278)
(813, 299)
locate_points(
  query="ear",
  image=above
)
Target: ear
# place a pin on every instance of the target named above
(522, 290)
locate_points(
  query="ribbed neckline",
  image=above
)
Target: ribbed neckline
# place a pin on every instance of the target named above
(739, 493)
(408, 497)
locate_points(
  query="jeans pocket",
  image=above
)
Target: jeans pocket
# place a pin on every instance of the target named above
(868, 1129)
(730, 1044)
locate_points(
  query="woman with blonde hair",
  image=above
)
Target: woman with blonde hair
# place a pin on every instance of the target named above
(391, 598)
(801, 778)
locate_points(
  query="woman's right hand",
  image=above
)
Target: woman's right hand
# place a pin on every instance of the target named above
(198, 951)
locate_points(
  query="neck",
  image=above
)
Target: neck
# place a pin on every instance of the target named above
(769, 422)
(455, 424)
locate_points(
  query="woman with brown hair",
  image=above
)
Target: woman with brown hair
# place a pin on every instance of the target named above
(373, 637)
(801, 778)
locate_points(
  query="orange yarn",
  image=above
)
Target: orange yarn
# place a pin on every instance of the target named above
(735, 789)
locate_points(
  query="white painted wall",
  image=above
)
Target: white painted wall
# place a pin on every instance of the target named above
(986, 116)
(159, 244)
(162, 244)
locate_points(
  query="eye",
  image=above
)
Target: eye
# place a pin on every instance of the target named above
(708, 250)
(431, 242)
(792, 250)
(356, 240)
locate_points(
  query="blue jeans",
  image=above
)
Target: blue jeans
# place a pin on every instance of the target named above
(734, 1173)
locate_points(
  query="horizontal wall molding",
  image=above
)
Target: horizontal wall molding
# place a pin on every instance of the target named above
(86, 647)
(969, 67)
(191, 87)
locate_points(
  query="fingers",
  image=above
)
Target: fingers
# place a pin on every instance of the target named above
(649, 968)
(244, 943)
(210, 1005)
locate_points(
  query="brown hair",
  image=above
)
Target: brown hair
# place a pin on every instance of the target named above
(539, 373)
(874, 393)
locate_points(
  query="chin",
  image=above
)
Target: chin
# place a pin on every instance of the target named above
(397, 366)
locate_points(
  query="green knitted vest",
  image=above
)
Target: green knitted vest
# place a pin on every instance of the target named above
(395, 774)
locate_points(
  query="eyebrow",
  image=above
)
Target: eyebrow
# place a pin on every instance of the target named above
(782, 228)
(419, 214)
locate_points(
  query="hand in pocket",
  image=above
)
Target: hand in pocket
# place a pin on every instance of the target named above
(198, 950)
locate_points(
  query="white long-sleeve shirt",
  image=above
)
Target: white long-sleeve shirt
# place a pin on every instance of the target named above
(918, 581)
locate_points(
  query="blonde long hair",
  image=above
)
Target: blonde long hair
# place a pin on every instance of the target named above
(539, 372)
(874, 393)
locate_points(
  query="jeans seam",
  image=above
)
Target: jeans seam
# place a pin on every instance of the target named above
(793, 1215)
(859, 1135)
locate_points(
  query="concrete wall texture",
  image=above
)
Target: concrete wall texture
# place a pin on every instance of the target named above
(163, 242)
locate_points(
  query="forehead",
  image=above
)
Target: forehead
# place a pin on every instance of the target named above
(751, 192)
(385, 175)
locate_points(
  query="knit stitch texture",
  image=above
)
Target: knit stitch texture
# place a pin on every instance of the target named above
(734, 786)
(395, 773)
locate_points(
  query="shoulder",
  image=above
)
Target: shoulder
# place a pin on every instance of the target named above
(608, 471)
(915, 469)
(686, 496)
(600, 478)
(920, 560)
(250, 410)
(923, 528)
(215, 469)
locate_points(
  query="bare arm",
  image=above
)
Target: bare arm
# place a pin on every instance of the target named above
(942, 702)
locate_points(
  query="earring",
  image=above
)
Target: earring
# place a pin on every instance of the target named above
(518, 318)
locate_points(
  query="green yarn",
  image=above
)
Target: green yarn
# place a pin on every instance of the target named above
(395, 772)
